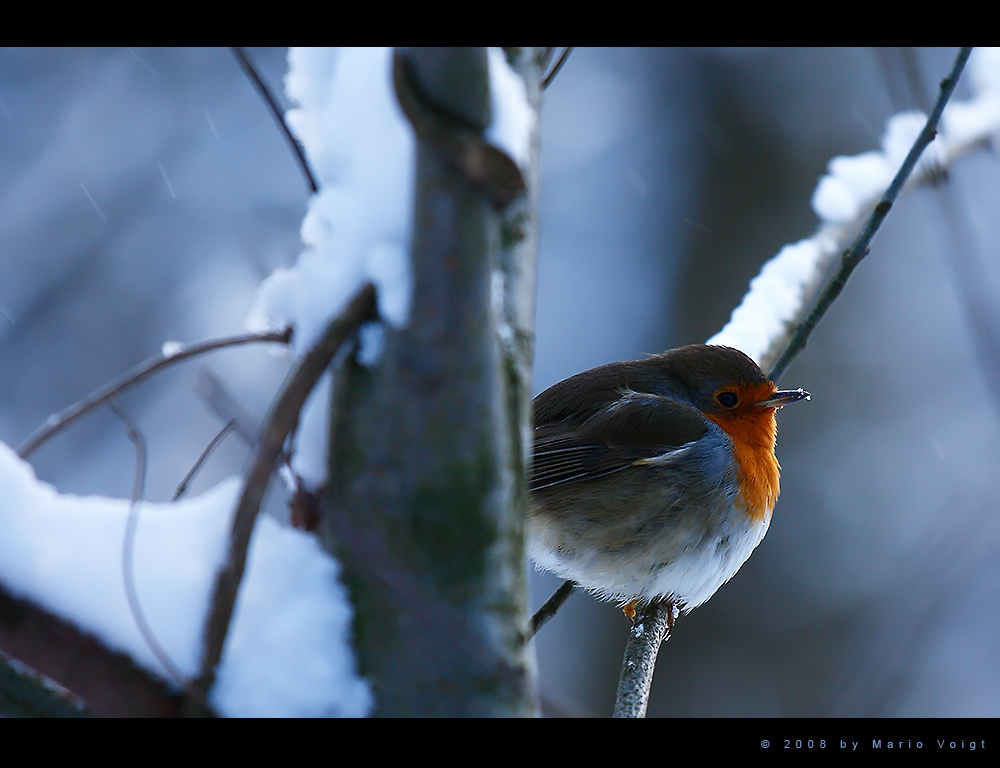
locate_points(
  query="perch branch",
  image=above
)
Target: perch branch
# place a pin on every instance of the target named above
(651, 628)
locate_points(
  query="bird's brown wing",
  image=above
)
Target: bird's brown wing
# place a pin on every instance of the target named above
(628, 430)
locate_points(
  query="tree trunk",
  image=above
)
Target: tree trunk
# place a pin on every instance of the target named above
(426, 497)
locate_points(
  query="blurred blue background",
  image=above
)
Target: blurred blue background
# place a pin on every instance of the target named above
(145, 193)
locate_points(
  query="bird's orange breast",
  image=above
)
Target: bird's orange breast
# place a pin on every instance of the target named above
(754, 431)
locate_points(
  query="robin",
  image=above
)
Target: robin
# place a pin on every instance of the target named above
(655, 478)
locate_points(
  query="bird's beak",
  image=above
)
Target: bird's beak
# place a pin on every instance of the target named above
(784, 397)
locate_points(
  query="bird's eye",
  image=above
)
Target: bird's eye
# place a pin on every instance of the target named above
(727, 399)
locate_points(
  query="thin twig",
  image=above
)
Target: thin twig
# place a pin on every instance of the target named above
(549, 607)
(217, 398)
(59, 421)
(128, 551)
(859, 249)
(201, 459)
(281, 421)
(547, 80)
(279, 118)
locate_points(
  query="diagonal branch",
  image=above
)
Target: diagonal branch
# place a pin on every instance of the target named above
(282, 420)
(183, 486)
(25, 692)
(547, 80)
(251, 72)
(550, 607)
(859, 249)
(59, 421)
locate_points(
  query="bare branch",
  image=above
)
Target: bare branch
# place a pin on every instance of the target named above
(279, 118)
(217, 398)
(182, 487)
(547, 80)
(549, 607)
(128, 549)
(59, 421)
(139, 441)
(110, 683)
